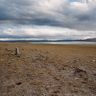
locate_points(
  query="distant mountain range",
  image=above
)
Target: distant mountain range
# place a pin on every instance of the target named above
(91, 39)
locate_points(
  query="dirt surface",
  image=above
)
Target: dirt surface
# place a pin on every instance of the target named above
(47, 70)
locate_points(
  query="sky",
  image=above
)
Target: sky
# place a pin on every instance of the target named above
(48, 19)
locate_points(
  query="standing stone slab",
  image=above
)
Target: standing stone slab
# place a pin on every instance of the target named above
(17, 52)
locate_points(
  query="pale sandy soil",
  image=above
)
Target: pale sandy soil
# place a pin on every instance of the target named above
(47, 70)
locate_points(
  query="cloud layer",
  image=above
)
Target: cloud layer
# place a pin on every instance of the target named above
(48, 18)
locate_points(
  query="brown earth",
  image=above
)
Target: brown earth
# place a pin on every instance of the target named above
(47, 70)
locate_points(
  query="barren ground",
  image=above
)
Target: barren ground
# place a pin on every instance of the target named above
(47, 70)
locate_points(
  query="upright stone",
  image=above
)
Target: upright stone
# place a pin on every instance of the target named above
(17, 52)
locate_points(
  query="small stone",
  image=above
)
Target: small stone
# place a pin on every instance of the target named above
(93, 60)
(18, 83)
(79, 73)
(7, 49)
(1, 60)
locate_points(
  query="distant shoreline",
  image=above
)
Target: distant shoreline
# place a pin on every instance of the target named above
(47, 40)
(52, 43)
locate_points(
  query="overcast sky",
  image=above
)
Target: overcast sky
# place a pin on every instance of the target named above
(48, 19)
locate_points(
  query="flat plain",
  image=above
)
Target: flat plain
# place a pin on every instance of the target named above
(47, 70)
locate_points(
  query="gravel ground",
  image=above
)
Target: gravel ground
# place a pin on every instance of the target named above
(47, 70)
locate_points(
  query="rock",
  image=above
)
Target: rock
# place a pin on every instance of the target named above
(93, 60)
(79, 73)
(7, 49)
(18, 83)
(1, 60)
(17, 52)
(76, 60)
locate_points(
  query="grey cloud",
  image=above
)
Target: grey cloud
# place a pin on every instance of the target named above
(42, 12)
(53, 13)
(44, 32)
